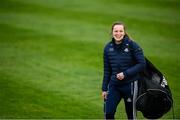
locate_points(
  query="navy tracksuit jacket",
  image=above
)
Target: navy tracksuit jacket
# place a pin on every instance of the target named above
(128, 58)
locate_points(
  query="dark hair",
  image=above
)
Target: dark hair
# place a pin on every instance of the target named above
(119, 23)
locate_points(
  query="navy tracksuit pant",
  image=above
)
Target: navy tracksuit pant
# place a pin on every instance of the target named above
(115, 93)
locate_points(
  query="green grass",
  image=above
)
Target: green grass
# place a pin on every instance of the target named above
(51, 53)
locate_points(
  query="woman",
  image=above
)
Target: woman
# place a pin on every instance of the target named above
(123, 60)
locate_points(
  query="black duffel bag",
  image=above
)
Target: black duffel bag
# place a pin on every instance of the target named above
(154, 96)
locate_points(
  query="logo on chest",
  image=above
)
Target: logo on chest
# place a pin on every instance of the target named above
(111, 49)
(126, 50)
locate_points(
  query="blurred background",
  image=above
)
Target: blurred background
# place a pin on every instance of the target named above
(51, 53)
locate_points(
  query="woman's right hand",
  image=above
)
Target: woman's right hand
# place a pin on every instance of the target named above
(104, 95)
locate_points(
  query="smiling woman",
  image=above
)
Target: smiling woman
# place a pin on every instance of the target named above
(123, 60)
(118, 32)
(51, 53)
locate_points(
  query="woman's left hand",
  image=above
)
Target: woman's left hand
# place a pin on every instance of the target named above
(120, 76)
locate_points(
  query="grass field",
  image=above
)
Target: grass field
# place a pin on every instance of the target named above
(51, 53)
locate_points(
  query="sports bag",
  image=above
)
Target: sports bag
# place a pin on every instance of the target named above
(154, 96)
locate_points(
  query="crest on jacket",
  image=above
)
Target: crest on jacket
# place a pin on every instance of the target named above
(126, 50)
(111, 49)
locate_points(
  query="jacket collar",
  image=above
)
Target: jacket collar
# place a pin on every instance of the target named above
(122, 45)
